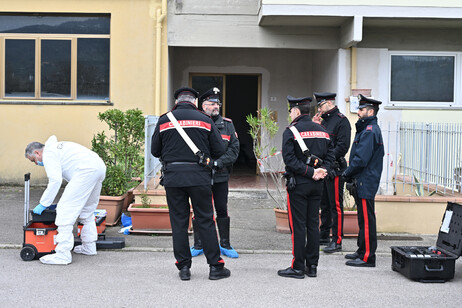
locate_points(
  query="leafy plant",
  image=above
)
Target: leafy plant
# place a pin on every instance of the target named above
(122, 150)
(145, 200)
(263, 129)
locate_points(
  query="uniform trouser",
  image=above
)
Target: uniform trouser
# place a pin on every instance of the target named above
(332, 209)
(79, 200)
(220, 198)
(178, 203)
(303, 206)
(367, 237)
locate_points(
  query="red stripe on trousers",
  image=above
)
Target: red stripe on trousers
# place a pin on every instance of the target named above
(291, 227)
(366, 231)
(339, 212)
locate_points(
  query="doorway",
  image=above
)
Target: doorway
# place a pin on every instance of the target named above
(240, 96)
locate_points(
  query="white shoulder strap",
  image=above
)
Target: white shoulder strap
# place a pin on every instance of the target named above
(299, 139)
(182, 133)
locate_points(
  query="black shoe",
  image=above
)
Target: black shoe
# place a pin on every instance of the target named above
(291, 273)
(217, 272)
(324, 241)
(311, 271)
(352, 256)
(360, 263)
(185, 273)
(332, 247)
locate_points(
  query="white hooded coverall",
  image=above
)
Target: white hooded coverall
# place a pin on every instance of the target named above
(84, 171)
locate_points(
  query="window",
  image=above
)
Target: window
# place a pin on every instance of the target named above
(48, 57)
(423, 79)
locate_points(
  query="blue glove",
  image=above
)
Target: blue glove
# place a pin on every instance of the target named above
(39, 209)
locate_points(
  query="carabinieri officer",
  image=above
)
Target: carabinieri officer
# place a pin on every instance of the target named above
(211, 105)
(305, 171)
(339, 129)
(363, 179)
(188, 176)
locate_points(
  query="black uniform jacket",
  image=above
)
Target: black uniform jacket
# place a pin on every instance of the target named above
(366, 157)
(339, 129)
(181, 168)
(318, 142)
(229, 137)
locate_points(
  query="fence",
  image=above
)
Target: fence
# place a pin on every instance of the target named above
(151, 164)
(424, 155)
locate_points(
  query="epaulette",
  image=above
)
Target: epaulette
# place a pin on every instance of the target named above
(227, 120)
(341, 115)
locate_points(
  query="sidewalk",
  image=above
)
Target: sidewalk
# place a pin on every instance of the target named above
(143, 274)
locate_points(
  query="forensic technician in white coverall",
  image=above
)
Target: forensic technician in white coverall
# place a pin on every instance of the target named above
(84, 171)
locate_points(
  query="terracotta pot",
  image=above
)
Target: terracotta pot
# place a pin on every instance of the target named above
(129, 199)
(282, 221)
(156, 217)
(113, 206)
(350, 223)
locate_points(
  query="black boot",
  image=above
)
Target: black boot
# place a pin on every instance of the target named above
(196, 249)
(225, 245)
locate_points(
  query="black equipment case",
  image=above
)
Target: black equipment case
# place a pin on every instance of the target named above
(433, 264)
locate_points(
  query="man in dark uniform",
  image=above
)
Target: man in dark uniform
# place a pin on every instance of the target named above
(304, 185)
(188, 176)
(222, 166)
(363, 178)
(339, 129)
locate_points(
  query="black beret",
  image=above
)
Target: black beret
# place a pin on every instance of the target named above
(366, 101)
(297, 101)
(212, 95)
(186, 91)
(322, 96)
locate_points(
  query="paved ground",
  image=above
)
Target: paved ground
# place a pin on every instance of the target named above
(143, 274)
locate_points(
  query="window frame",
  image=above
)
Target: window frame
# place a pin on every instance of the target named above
(37, 99)
(455, 104)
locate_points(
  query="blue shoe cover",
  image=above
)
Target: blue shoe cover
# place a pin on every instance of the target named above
(196, 252)
(230, 253)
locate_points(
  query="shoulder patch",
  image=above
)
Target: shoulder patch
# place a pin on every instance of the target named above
(227, 119)
(369, 127)
(341, 115)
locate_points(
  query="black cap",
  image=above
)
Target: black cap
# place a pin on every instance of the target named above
(366, 101)
(322, 96)
(186, 91)
(297, 101)
(212, 95)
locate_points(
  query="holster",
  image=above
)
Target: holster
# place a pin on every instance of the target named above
(290, 181)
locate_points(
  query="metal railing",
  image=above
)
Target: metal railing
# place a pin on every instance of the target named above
(152, 164)
(428, 156)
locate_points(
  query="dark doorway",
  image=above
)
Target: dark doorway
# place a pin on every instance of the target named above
(240, 98)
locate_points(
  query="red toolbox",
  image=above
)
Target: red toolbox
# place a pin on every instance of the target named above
(433, 264)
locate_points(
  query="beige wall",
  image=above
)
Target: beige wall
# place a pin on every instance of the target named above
(436, 3)
(132, 75)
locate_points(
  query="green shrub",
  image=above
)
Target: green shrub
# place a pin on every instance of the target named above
(122, 151)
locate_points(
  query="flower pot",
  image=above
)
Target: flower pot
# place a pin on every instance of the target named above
(156, 217)
(350, 223)
(129, 199)
(282, 221)
(113, 206)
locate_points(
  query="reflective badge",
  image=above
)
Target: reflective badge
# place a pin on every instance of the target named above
(369, 127)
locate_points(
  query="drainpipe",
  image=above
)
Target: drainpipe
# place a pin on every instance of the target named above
(160, 16)
(353, 79)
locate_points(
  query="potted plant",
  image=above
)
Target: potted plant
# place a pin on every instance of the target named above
(350, 215)
(122, 152)
(271, 165)
(147, 217)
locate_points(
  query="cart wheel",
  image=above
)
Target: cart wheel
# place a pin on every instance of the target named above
(28, 253)
(393, 269)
